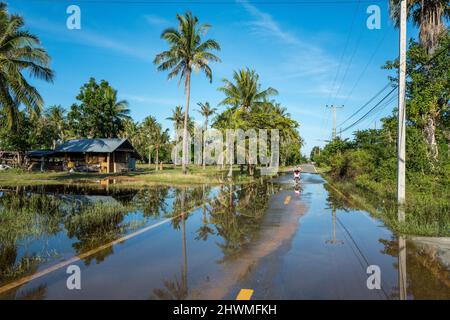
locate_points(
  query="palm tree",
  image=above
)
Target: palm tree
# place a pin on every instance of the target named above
(118, 110)
(206, 111)
(20, 51)
(242, 95)
(187, 52)
(245, 92)
(428, 15)
(149, 127)
(177, 117)
(160, 139)
(57, 118)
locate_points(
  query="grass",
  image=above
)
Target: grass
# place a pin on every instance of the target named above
(144, 175)
(323, 169)
(427, 209)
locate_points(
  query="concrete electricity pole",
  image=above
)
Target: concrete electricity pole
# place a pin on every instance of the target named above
(401, 139)
(333, 110)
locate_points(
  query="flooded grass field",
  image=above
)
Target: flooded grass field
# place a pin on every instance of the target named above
(284, 242)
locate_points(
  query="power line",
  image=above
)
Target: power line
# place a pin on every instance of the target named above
(368, 112)
(444, 50)
(366, 67)
(361, 254)
(366, 104)
(358, 41)
(369, 120)
(343, 52)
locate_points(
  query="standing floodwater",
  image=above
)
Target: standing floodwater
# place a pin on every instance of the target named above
(281, 240)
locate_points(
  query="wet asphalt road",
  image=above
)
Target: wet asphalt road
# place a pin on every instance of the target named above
(302, 242)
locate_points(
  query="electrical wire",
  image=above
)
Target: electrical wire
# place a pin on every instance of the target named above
(343, 52)
(366, 104)
(366, 67)
(368, 112)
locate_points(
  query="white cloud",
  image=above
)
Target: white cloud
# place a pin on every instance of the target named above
(151, 100)
(156, 21)
(264, 24)
(90, 38)
(300, 59)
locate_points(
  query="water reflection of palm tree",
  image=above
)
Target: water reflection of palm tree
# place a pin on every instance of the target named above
(205, 230)
(152, 201)
(177, 289)
(237, 214)
(183, 212)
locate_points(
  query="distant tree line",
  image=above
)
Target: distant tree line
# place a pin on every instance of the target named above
(98, 113)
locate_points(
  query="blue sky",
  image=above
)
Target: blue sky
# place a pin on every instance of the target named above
(295, 47)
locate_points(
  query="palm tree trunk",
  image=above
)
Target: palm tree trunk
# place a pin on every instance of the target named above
(186, 115)
(149, 155)
(157, 158)
(204, 143)
(430, 135)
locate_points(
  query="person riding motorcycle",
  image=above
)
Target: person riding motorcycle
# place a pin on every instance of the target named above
(297, 173)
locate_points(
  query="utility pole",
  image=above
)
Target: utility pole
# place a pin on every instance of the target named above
(333, 110)
(401, 139)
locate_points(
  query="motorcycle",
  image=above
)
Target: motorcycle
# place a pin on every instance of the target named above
(297, 177)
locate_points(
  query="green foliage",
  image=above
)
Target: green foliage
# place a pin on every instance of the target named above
(249, 108)
(20, 51)
(99, 114)
(149, 139)
(187, 52)
(369, 162)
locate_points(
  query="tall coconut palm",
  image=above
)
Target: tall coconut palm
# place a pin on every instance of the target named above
(178, 121)
(133, 132)
(149, 127)
(160, 139)
(206, 111)
(243, 94)
(177, 117)
(20, 51)
(429, 16)
(118, 110)
(56, 115)
(187, 52)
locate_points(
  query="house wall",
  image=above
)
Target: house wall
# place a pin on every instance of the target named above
(120, 161)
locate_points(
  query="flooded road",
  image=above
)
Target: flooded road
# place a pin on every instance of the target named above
(280, 240)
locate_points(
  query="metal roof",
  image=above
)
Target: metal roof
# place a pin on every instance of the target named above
(39, 153)
(91, 145)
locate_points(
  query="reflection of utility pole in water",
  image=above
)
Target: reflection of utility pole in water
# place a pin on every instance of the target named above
(334, 241)
(402, 284)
